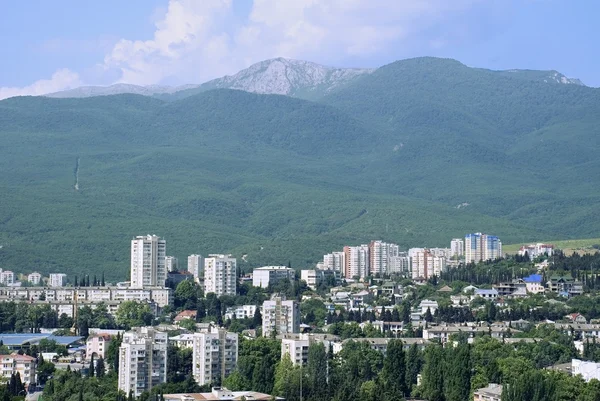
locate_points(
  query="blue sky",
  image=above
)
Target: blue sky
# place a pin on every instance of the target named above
(53, 45)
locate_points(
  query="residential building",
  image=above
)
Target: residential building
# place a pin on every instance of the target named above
(171, 263)
(444, 332)
(14, 363)
(215, 355)
(34, 278)
(587, 370)
(428, 304)
(183, 341)
(97, 345)
(335, 261)
(399, 264)
(185, 315)
(380, 253)
(263, 276)
(493, 392)
(220, 394)
(457, 248)
(195, 265)
(535, 250)
(480, 247)
(487, 294)
(280, 316)
(425, 264)
(148, 261)
(533, 284)
(565, 286)
(7, 277)
(220, 275)
(311, 277)
(240, 312)
(357, 261)
(296, 345)
(57, 280)
(142, 360)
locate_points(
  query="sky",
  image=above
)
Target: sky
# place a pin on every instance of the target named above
(48, 46)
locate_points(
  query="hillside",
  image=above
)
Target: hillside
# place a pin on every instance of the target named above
(390, 155)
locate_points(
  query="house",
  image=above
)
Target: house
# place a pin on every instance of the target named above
(505, 289)
(361, 298)
(182, 341)
(533, 284)
(487, 294)
(459, 300)
(564, 285)
(469, 289)
(445, 289)
(587, 370)
(493, 392)
(580, 330)
(577, 318)
(185, 315)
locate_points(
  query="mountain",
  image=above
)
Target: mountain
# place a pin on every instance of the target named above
(390, 155)
(542, 76)
(116, 89)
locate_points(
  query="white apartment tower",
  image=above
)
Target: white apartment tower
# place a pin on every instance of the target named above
(335, 261)
(195, 266)
(457, 248)
(220, 275)
(171, 263)
(215, 355)
(357, 261)
(57, 280)
(480, 247)
(425, 264)
(399, 264)
(148, 261)
(142, 360)
(7, 277)
(380, 253)
(280, 316)
(34, 278)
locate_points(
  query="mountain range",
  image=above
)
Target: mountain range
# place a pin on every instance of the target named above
(416, 152)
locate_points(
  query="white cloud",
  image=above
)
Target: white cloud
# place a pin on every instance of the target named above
(61, 80)
(196, 40)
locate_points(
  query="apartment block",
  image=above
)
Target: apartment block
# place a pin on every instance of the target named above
(425, 264)
(57, 280)
(263, 276)
(34, 278)
(7, 277)
(14, 363)
(280, 316)
(142, 360)
(535, 250)
(457, 248)
(481, 247)
(215, 355)
(148, 261)
(220, 274)
(380, 254)
(357, 261)
(296, 345)
(171, 263)
(240, 312)
(335, 261)
(97, 345)
(195, 265)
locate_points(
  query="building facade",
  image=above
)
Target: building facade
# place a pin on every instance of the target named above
(457, 248)
(215, 355)
(34, 278)
(263, 276)
(7, 277)
(148, 261)
(380, 254)
(481, 247)
(280, 316)
(335, 261)
(357, 261)
(195, 265)
(57, 280)
(220, 275)
(425, 264)
(14, 363)
(142, 360)
(97, 345)
(171, 263)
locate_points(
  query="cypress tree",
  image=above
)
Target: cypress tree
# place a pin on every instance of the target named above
(393, 374)
(91, 368)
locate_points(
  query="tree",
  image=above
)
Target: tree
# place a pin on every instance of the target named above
(393, 374)
(286, 379)
(200, 310)
(257, 318)
(186, 295)
(112, 353)
(91, 369)
(433, 373)
(100, 367)
(457, 380)
(317, 372)
(414, 362)
(428, 316)
(134, 314)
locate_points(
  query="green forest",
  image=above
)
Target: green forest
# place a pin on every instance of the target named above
(389, 156)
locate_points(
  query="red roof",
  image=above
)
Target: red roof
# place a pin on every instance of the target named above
(186, 314)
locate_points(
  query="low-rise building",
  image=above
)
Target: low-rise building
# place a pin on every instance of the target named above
(493, 392)
(428, 304)
(565, 286)
(263, 276)
(533, 284)
(182, 341)
(240, 312)
(7, 277)
(444, 332)
(311, 277)
(587, 370)
(220, 394)
(97, 345)
(487, 294)
(14, 363)
(535, 250)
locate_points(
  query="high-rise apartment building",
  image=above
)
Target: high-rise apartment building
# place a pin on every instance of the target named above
(34, 278)
(425, 263)
(357, 261)
(380, 253)
(335, 261)
(195, 266)
(7, 277)
(280, 316)
(480, 247)
(220, 275)
(399, 264)
(171, 263)
(215, 355)
(148, 261)
(57, 280)
(263, 276)
(457, 248)
(142, 360)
